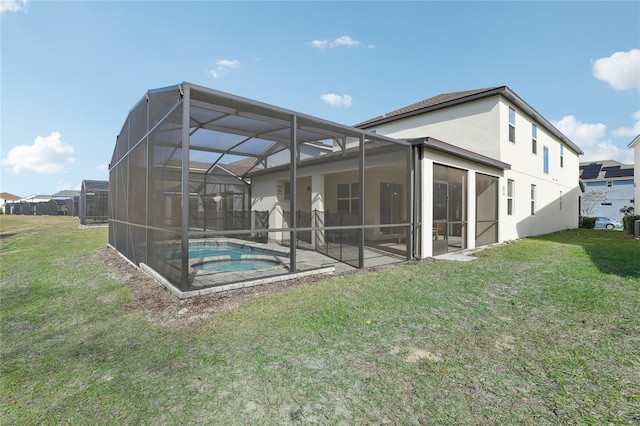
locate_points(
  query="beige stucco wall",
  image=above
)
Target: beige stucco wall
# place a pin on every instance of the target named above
(267, 189)
(482, 127)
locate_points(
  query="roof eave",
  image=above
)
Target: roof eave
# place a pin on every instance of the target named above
(447, 148)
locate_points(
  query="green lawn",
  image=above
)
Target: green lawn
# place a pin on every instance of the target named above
(541, 331)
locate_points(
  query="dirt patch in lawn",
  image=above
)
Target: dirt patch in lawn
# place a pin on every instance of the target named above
(160, 306)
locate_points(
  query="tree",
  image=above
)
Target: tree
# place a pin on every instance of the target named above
(592, 199)
(627, 210)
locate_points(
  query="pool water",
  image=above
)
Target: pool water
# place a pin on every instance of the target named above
(235, 251)
(236, 265)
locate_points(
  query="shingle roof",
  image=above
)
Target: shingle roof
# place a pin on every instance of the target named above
(442, 100)
(8, 196)
(455, 98)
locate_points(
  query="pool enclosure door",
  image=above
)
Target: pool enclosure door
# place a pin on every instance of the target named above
(449, 210)
(440, 208)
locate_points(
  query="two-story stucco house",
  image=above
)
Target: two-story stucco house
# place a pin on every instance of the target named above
(539, 191)
(613, 183)
(454, 172)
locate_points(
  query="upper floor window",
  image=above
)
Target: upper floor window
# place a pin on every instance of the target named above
(545, 160)
(512, 125)
(561, 155)
(534, 139)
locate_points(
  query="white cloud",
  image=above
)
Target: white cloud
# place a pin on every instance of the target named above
(592, 138)
(630, 132)
(47, 155)
(62, 185)
(103, 167)
(621, 70)
(12, 5)
(223, 66)
(334, 100)
(343, 41)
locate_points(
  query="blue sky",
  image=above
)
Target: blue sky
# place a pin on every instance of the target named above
(72, 70)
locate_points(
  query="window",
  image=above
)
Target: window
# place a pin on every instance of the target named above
(545, 160)
(560, 200)
(348, 197)
(510, 197)
(512, 125)
(605, 204)
(287, 191)
(561, 155)
(534, 139)
(609, 183)
(533, 200)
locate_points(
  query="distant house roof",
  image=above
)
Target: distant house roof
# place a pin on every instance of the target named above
(37, 197)
(9, 197)
(447, 100)
(607, 169)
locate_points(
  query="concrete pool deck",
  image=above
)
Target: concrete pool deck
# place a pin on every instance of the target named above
(308, 262)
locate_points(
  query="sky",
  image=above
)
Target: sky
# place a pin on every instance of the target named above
(70, 71)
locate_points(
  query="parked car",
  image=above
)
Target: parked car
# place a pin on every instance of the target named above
(605, 222)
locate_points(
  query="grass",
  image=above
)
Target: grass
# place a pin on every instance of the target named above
(541, 331)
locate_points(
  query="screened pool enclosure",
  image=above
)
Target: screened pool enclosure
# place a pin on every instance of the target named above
(93, 205)
(194, 166)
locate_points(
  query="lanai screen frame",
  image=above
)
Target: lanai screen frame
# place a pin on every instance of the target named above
(93, 202)
(173, 113)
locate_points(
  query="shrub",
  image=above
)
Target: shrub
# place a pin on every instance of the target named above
(628, 222)
(588, 222)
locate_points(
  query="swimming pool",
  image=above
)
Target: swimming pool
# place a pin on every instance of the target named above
(237, 265)
(216, 256)
(233, 250)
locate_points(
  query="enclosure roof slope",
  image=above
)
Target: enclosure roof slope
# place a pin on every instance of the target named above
(634, 142)
(447, 100)
(96, 185)
(66, 193)
(318, 128)
(230, 126)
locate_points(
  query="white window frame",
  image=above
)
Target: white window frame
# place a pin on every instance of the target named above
(512, 125)
(510, 197)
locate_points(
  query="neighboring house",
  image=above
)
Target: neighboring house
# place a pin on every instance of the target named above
(539, 193)
(453, 172)
(635, 144)
(610, 184)
(7, 197)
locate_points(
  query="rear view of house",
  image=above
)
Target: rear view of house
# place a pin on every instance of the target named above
(195, 166)
(511, 173)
